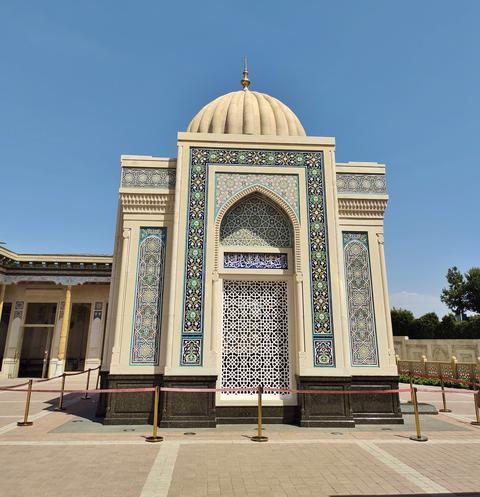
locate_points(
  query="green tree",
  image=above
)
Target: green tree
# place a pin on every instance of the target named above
(454, 296)
(401, 321)
(447, 328)
(425, 326)
(472, 289)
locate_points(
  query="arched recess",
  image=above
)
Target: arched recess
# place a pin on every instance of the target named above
(278, 201)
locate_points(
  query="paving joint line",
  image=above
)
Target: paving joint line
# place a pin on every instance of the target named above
(225, 442)
(160, 476)
(409, 473)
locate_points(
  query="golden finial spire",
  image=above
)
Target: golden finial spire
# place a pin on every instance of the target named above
(245, 81)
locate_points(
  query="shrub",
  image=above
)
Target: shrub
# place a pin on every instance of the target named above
(419, 380)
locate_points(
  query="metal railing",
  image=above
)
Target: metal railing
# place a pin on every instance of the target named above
(468, 372)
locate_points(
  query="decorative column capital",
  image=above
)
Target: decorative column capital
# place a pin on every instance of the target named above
(380, 238)
(299, 277)
(126, 233)
(18, 309)
(61, 309)
(215, 276)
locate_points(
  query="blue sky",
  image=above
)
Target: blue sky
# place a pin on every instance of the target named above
(395, 82)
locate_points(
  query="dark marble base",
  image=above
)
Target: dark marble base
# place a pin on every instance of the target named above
(176, 409)
(197, 409)
(376, 408)
(188, 410)
(248, 415)
(324, 409)
(337, 410)
(127, 408)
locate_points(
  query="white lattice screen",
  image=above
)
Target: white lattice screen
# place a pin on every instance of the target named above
(255, 334)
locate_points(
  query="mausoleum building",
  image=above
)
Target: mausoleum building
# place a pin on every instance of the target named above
(251, 258)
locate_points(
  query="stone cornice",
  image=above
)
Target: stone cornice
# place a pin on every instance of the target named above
(362, 208)
(60, 258)
(139, 203)
(263, 141)
(56, 279)
(43, 267)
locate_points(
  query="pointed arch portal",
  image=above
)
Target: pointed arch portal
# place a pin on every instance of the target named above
(198, 252)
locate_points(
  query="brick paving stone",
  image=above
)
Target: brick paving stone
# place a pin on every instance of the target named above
(454, 466)
(85, 471)
(284, 469)
(297, 462)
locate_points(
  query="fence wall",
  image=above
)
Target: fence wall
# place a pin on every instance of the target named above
(447, 359)
(437, 350)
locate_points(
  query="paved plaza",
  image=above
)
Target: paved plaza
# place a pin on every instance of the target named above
(72, 454)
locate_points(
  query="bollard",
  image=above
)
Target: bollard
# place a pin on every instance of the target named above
(25, 421)
(154, 437)
(86, 397)
(444, 400)
(60, 406)
(418, 437)
(259, 437)
(98, 379)
(476, 399)
(411, 386)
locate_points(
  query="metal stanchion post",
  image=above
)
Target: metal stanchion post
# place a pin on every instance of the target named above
(444, 400)
(259, 437)
(476, 399)
(411, 385)
(25, 421)
(154, 437)
(60, 406)
(85, 397)
(98, 379)
(418, 437)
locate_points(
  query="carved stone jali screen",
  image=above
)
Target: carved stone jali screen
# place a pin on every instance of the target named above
(255, 334)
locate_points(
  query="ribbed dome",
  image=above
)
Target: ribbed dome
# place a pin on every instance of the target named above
(249, 113)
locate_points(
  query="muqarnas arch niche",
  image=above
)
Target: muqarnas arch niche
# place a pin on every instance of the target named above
(255, 329)
(256, 222)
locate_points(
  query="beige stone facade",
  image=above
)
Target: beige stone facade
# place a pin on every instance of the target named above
(33, 308)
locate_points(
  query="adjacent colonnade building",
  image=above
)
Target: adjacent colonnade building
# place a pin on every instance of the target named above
(53, 313)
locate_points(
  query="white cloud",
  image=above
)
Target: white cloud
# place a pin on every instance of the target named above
(418, 303)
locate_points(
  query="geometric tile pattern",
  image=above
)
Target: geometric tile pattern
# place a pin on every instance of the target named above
(18, 310)
(361, 317)
(61, 310)
(255, 222)
(323, 352)
(254, 260)
(147, 322)
(361, 183)
(97, 310)
(229, 184)
(134, 177)
(193, 308)
(191, 352)
(255, 334)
